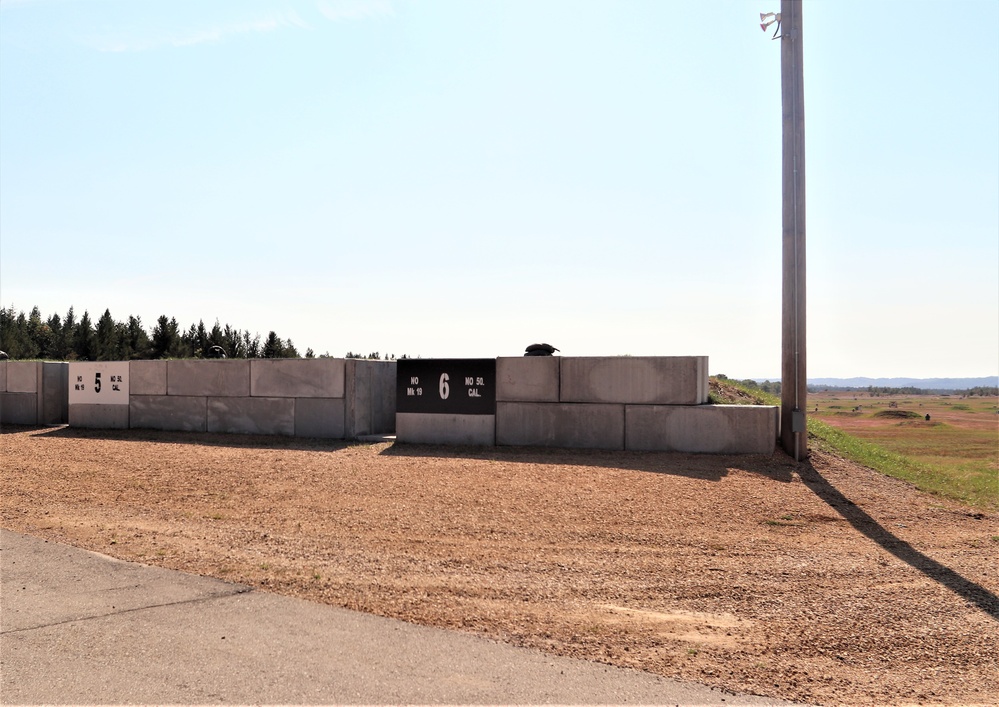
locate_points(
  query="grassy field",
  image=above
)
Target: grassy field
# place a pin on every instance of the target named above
(954, 453)
(947, 443)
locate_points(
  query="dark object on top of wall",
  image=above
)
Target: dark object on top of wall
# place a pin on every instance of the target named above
(3, 356)
(216, 352)
(540, 350)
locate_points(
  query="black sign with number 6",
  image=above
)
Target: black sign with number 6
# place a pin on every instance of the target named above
(457, 386)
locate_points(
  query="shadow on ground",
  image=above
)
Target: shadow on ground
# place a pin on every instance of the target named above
(711, 467)
(970, 591)
(207, 439)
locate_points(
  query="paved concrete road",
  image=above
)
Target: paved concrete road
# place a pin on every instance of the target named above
(78, 627)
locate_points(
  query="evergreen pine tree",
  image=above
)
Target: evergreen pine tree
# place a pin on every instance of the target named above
(85, 341)
(107, 339)
(273, 346)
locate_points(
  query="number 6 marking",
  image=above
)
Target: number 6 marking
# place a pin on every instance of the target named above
(445, 388)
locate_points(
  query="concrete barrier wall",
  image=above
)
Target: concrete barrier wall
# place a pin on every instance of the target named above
(54, 393)
(326, 398)
(593, 426)
(477, 430)
(659, 380)
(369, 397)
(33, 392)
(639, 403)
(185, 413)
(103, 417)
(716, 429)
(532, 379)
(19, 398)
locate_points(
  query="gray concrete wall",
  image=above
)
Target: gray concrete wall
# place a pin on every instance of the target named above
(18, 408)
(169, 412)
(297, 378)
(53, 393)
(34, 393)
(370, 390)
(262, 416)
(210, 378)
(648, 380)
(295, 397)
(23, 376)
(594, 426)
(423, 428)
(105, 417)
(715, 429)
(20, 404)
(528, 379)
(147, 377)
(320, 417)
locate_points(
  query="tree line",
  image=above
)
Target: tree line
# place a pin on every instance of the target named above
(69, 338)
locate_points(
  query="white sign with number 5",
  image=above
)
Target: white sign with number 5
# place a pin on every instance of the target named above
(98, 383)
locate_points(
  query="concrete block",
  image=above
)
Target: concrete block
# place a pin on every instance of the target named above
(102, 417)
(319, 417)
(430, 428)
(713, 429)
(297, 378)
(528, 379)
(54, 394)
(591, 426)
(210, 378)
(168, 412)
(370, 397)
(22, 376)
(3, 376)
(147, 378)
(263, 416)
(660, 380)
(18, 408)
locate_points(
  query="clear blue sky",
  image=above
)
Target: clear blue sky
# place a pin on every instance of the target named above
(457, 178)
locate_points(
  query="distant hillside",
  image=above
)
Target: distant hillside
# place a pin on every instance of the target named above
(924, 383)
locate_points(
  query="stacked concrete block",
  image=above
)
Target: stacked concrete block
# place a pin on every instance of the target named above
(54, 393)
(273, 382)
(528, 379)
(369, 397)
(417, 428)
(150, 406)
(625, 402)
(262, 416)
(596, 426)
(19, 396)
(713, 429)
(212, 378)
(102, 417)
(302, 397)
(324, 397)
(643, 380)
(33, 393)
(580, 402)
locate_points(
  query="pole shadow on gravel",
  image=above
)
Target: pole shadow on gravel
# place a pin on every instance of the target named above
(970, 591)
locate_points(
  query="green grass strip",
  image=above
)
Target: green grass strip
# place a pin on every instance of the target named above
(975, 490)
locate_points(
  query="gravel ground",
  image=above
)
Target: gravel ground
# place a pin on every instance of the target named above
(820, 582)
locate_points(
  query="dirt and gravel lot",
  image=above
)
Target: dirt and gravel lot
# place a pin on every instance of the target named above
(821, 582)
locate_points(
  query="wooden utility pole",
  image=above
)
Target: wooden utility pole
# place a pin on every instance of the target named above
(794, 381)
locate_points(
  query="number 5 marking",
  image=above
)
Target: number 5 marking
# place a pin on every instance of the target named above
(97, 382)
(445, 388)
